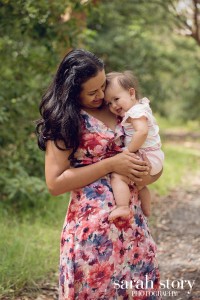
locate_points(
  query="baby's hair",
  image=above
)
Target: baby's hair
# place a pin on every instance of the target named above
(126, 79)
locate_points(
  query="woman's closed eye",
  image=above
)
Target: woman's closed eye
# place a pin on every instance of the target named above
(97, 91)
(92, 94)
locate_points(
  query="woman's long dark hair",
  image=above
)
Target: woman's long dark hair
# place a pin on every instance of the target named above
(60, 106)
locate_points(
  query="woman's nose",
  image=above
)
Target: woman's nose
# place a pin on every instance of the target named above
(100, 94)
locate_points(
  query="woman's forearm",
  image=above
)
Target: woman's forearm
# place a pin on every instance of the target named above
(74, 178)
(60, 178)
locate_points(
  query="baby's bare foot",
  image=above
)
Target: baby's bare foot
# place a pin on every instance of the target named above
(119, 211)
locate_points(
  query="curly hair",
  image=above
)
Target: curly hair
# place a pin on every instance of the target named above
(60, 106)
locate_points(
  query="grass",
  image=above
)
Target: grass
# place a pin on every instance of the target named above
(29, 248)
(179, 162)
(177, 125)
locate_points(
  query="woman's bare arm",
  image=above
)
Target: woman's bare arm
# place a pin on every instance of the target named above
(60, 178)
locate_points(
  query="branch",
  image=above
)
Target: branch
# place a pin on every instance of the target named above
(181, 20)
(195, 32)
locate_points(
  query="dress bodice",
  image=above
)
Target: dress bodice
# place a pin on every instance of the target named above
(97, 141)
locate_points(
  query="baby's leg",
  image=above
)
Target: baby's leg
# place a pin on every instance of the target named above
(145, 198)
(122, 196)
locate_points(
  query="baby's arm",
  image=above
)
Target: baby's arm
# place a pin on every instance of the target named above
(141, 131)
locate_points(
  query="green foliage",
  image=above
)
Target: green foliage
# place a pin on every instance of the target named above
(33, 37)
(178, 164)
(143, 36)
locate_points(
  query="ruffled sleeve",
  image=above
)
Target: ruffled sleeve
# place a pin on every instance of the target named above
(142, 109)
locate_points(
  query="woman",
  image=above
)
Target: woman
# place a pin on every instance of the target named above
(81, 138)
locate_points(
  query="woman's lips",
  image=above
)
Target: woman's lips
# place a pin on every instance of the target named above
(98, 101)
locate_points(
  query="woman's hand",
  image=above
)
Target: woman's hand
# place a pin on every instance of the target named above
(131, 165)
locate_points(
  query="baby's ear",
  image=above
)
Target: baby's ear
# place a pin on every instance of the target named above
(132, 92)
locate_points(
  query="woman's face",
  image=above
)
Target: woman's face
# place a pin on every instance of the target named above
(92, 94)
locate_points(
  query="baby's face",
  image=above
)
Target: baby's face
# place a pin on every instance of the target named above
(118, 99)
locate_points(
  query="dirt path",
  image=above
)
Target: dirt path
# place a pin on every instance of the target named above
(177, 234)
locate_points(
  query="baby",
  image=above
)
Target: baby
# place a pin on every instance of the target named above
(141, 134)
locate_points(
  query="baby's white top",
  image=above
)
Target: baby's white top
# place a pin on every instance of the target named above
(135, 112)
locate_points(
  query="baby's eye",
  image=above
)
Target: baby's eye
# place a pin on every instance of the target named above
(116, 99)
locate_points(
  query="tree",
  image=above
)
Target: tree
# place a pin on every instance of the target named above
(34, 37)
(142, 36)
(186, 14)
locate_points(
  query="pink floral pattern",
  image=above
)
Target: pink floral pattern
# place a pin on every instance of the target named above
(96, 254)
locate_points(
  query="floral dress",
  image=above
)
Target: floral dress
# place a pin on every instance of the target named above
(100, 260)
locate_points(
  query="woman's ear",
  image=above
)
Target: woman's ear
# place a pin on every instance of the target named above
(132, 92)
